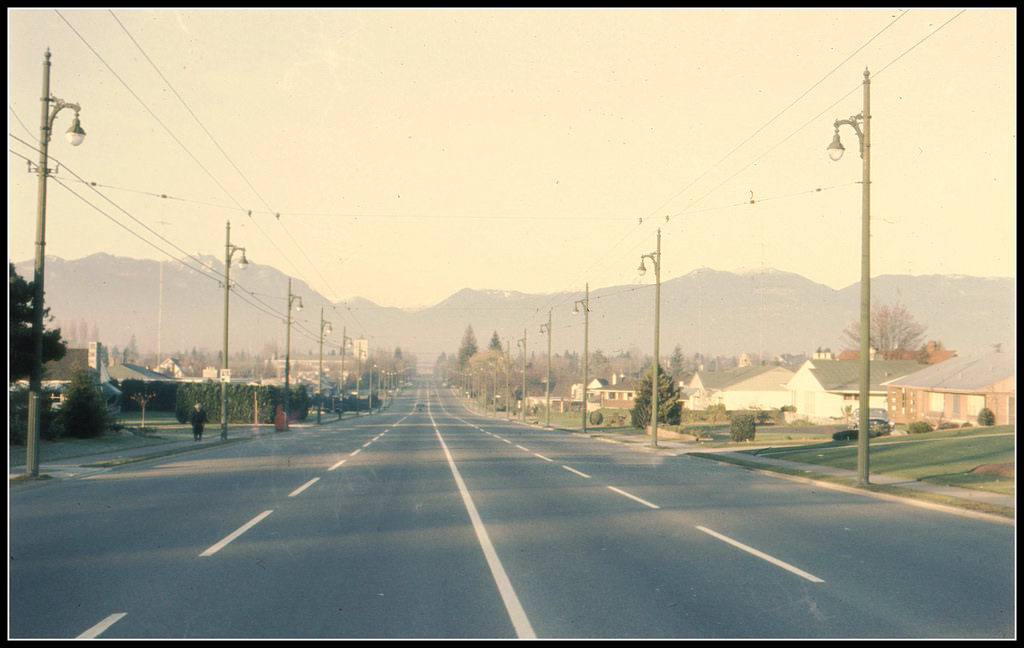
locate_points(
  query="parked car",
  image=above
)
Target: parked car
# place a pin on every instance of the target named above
(876, 427)
(877, 417)
(420, 407)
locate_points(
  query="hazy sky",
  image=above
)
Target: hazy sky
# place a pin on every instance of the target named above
(402, 155)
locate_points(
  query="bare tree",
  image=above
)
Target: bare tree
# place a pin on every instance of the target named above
(892, 328)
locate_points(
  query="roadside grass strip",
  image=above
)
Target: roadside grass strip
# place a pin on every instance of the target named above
(102, 626)
(775, 561)
(234, 535)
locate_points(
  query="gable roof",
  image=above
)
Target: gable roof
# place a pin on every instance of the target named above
(128, 371)
(62, 369)
(844, 375)
(968, 373)
(754, 378)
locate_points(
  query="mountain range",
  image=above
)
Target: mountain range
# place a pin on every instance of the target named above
(171, 308)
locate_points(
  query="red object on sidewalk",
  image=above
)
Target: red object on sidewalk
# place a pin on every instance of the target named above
(279, 422)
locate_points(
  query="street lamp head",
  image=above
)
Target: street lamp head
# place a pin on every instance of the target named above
(642, 270)
(298, 306)
(576, 308)
(244, 262)
(836, 149)
(75, 134)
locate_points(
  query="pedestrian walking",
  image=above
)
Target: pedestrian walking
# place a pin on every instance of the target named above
(198, 421)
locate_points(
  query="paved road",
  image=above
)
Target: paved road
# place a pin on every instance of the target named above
(443, 524)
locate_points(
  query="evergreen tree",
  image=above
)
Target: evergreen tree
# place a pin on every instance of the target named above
(83, 414)
(669, 405)
(468, 347)
(495, 344)
(21, 350)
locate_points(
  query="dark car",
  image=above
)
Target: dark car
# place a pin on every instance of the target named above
(876, 427)
(420, 407)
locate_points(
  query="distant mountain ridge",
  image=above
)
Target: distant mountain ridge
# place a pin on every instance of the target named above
(762, 313)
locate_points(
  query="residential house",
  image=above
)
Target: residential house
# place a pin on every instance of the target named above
(741, 388)
(616, 394)
(956, 390)
(57, 373)
(170, 367)
(824, 389)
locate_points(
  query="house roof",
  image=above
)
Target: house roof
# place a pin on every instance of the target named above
(129, 371)
(753, 378)
(61, 369)
(844, 375)
(968, 373)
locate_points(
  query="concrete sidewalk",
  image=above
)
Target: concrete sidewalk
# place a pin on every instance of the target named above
(85, 465)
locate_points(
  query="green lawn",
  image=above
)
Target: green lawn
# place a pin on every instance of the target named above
(942, 457)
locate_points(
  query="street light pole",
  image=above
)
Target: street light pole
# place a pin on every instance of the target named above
(320, 371)
(229, 250)
(288, 352)
(861, 124)
(655, 258)
(547, 381)
(585, 302)
(522, 406)
(75, 136)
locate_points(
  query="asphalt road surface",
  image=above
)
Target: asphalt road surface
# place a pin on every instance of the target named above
(438, 523)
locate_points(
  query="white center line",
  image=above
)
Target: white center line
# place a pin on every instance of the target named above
(536, 454)
(337, 465)
(355, 452)
(634, 497)
(763, 556)
(573, 470)
(242, 529)
(515, 610)
(303, 487)
(100, 627)
(522, 448)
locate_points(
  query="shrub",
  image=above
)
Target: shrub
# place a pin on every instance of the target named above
(596, 418)
(919, 427)
(986, 417)
(83, 414)
(741, 428)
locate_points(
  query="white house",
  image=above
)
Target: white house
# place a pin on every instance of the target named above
(748, 387)
(824, 389)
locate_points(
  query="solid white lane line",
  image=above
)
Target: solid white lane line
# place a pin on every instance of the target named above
(634, 497)
(762, 555)
(100, 627)
(573, 470)
(542, 457)
(337, 465)
(515, 610)
(242, 529)
(303, 487)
